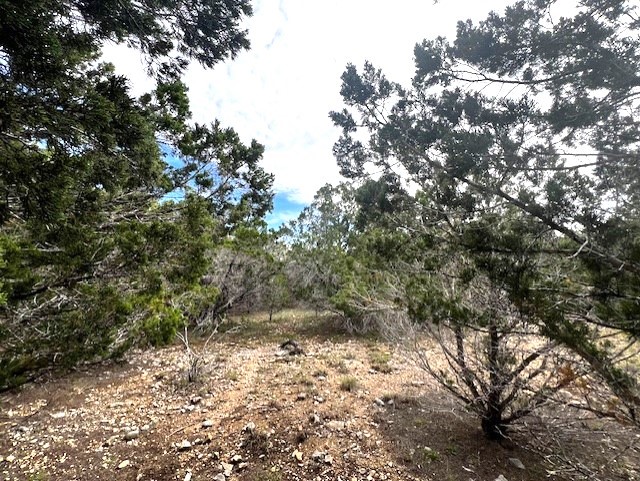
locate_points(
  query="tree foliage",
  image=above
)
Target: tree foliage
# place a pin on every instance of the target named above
(521, 140)
(103, 243)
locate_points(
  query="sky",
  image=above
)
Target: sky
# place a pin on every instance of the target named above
(281, 91)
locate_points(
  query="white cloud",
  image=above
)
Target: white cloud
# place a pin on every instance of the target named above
(280, 92)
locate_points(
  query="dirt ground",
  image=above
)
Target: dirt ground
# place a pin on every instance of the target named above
(350, 408)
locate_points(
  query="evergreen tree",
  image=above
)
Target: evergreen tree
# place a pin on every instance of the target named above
(523, 138)
(95, 254)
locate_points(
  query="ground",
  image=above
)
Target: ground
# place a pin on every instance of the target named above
(350, 408)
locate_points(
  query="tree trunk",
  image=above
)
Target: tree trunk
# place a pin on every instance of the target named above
(492, 424)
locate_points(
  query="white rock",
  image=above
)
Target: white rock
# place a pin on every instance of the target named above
(207, 424)
(184, 445)
(517, 463)
(336, 425)
(124, 464)
(249, 427)
(131, 435)
(501, 478)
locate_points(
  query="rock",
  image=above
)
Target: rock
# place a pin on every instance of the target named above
(297, 454)
(10, 459)
(321, 378)
(250, 427)
(131, 435)
(219, 477)
(187, 477)
(124, 464)
(336, 425)
(501, 478)
(328, 459)
(302, 396)
(242, 466)
(146, 428)
(517, 463)
(236, 459)
(184, 445)
(314, 418)
(227, 468)
(318, 456)
(379, 402)
(207, 424)
(58, 415)
(196, 400)
(318, 399)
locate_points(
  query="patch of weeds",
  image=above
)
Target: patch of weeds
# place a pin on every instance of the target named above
(425, 455)
(257, 442)
(349, 383)
(268, 475)
(232, 375)
(302, 379)
(38, 477)
(350, 355)
(379, 361)
(339, 364)
(451, 449)
(320, 372)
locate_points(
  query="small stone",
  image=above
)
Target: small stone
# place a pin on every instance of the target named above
(318, 399)
(124, 464)
(328, 459)
(302, 396)
(184, 445)
(146, 428)
(236, 459)
(242, 466)
(187, 477)
(207, 424)
(297, 454)
(249, 427)
(59, 415)
(131, 435)
(318, 456)
(219, 477)
(336, 425)
(227, 468)
(196, 400)
(517, 463)
(321, 378)
(379, 402)
(10, 459)
(315, 418)
(501, 478)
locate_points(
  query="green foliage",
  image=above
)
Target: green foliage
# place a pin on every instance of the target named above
(161, 322)
(94, 254)
(521, 137)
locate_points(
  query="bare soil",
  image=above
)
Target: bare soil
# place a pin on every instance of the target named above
(351, 408)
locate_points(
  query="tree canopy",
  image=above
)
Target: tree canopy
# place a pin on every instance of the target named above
(100, 236)
(521, 141)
